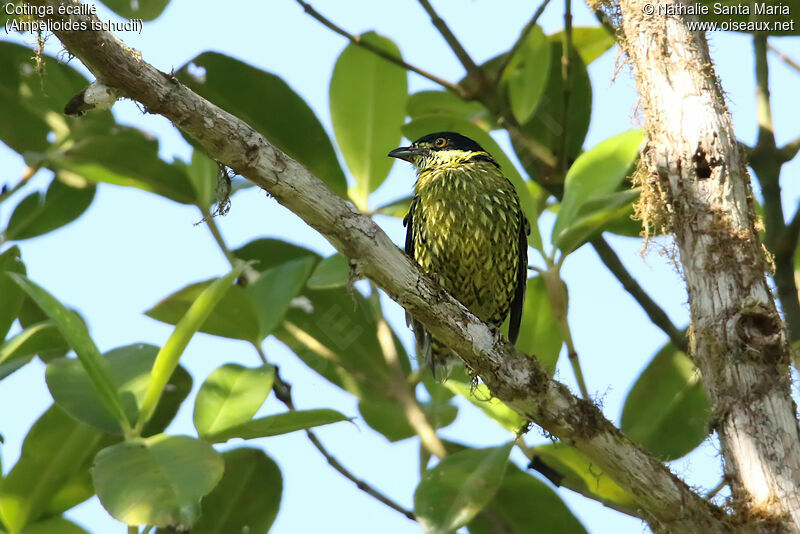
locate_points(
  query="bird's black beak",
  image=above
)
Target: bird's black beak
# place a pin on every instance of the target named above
(404, 152)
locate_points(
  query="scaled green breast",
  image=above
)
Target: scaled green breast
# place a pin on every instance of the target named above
(467, 234)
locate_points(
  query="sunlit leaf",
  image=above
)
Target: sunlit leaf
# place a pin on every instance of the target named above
(367, 100)
(331, 272)
(165, 478)
(446, 103)
(273, 291)
(282, 423)
(453, 492)
(539, 334)
(590, 41)
(13, 296)
(526, 74)
(481, 397)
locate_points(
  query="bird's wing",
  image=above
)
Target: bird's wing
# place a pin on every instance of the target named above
(421, 335)
(522, 277)
(408, 222)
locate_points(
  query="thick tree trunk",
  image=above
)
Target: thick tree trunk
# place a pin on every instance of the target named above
(696, 183)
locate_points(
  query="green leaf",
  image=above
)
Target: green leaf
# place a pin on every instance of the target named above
(140, 9)
(231, 395)
(426, 103)
(667, 410)
(267, 253)
(129, 369)
(38, 214)
(268, 104)
(576, 471)
(441, 123)
(612, 211)
(56, 448)
(41, 337)
(521, 501)
(272, 292)
(367, 100)
(233, 317)
(125, 156)
(539, 334)
(546, 126)
(597, 172)
(590, 41)
(170, 353)
(453, 492)
(203, 172)
(164, 479)
(248, 497)
(398, 208)
(335, 333)
(282, 423)
(13, 296)
(389, 418)
(526, 74)
(77, 336)
(481, 397)
(331, 272)
(54, 525)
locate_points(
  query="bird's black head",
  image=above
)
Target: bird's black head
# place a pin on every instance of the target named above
(436, 142)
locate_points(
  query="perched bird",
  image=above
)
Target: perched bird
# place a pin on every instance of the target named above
(466, 228)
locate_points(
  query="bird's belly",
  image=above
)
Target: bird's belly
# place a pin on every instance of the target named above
(474, 255)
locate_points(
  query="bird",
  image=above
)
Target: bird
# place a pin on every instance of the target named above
(465, 227)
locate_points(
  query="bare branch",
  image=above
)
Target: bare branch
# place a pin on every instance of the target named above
(357, 40)
(520, 41)
(513, 377)
(451, 39)
(783, 57)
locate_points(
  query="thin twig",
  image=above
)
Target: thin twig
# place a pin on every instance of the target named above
(451, 39)
(520, 41)
(283, 391)
(783, 57)
(716, 489)
(357, 40)
(657, 315)
(27, 174)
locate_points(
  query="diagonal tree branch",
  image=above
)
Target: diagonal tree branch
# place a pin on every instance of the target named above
(357, 40)
(450, 38)
(512, 376)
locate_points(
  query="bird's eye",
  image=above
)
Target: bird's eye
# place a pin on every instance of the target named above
(440, 142)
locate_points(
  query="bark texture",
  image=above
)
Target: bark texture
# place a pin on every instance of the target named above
(698, 186)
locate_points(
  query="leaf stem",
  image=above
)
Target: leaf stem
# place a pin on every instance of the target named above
(355, 39)
(783, 57)
(566, 80)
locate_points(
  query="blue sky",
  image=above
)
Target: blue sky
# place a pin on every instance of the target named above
(132, 249)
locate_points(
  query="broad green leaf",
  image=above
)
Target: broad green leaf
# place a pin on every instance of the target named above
(667, 410)
(522, 501)
(164, 479)
(335, 333)
(202, 171)
(13, 296)
(590, 41)
(389, 418)
(546, 126)
(41, 337)
(77, 336)
(605, 212)
(331, 272)
(595, 173)
(367, 100)
(32, 99)
(267, 253)
(453, 492)
(234, 316)
(146, 10)
(169, 355)
(248, 497)
(129, 369)
(231, 395)
(398, 208)
(282, 423)
(268, 104)
(574, 470)
(526, 74)
(54, 525)
(539, 335)
(272, 292)
(481, 397)
(125, 156)
(426, 103)
(38, 214)
(56, 448)
(438, 123)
